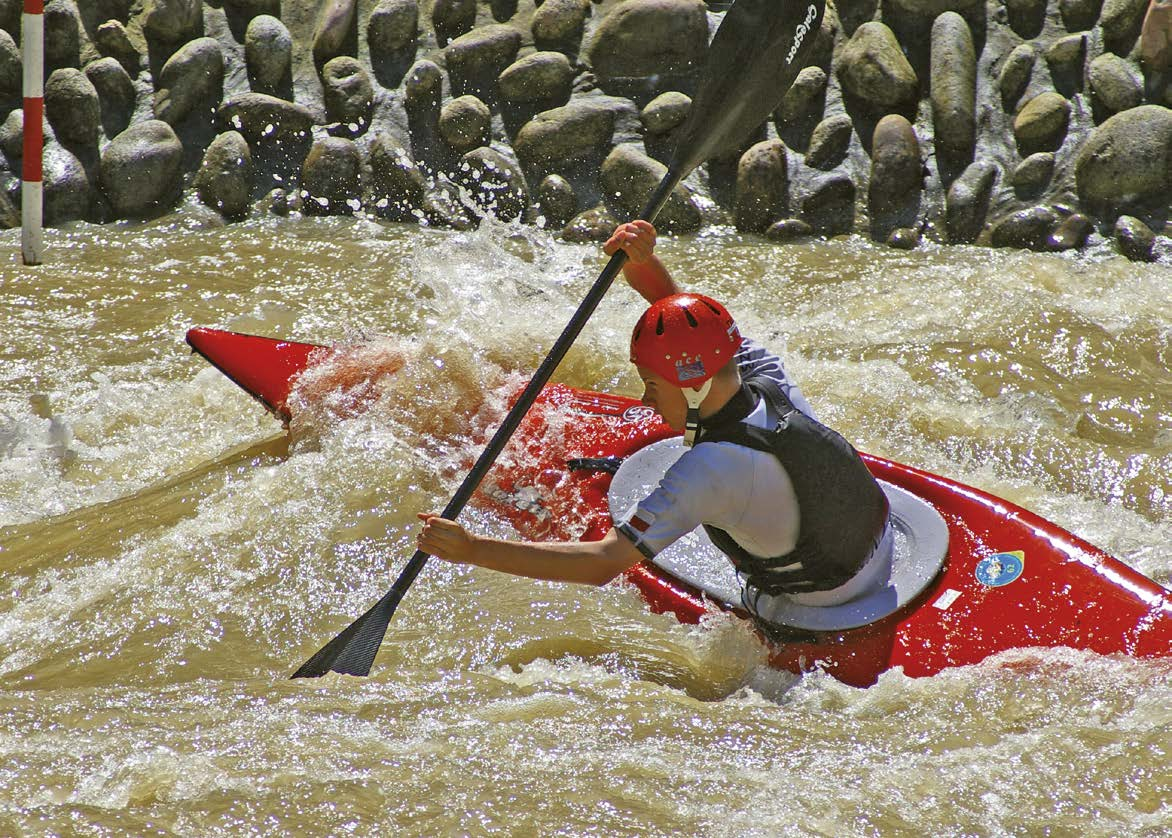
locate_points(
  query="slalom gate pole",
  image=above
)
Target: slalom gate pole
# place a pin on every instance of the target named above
(32, 40)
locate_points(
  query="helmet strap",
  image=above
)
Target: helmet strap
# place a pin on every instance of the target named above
(694, 396)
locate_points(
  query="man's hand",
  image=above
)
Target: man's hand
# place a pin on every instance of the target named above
(445, 539)
(637, 238)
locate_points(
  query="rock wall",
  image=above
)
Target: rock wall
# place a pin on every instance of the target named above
(1022, 123)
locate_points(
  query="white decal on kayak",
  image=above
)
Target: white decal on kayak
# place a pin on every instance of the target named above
(638, 413)
(526, 499)
(800, 33)
(946, 599)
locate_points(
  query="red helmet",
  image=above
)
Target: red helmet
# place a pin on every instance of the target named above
(686, 338)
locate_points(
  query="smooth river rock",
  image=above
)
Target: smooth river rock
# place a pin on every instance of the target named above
(141, 169)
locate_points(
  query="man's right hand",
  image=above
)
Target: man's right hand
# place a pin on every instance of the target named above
(637, 238)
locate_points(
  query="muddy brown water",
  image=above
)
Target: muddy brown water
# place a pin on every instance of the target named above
(169, 556)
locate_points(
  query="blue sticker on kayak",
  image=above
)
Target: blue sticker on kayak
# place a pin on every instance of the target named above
(1001, 568)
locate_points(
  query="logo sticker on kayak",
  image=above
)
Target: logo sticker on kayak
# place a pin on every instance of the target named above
(639, 413)
(1001, 568)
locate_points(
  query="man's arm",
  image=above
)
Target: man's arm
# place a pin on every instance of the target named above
(642, 270)
(588, 563)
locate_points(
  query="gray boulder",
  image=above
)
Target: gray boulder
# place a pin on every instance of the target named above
(930, 9)
(423, 89)
(331, 177)
(73, 109)
(592, 225)
(1079, 15)
(556, 201)
(665, 112)
(649, 42)
(476, 60)
(874, 71)
(268, 55)
(1121, 21)
(62, 26)
(789, 229)
(347, 91)
(1128, 158)
(1014, 77)
(762, 187)
(802, 107)
(629, 177)
(443, 206)
(10, 12)
(393, 27)
(191, 81)
(1134, 239)
(1066, 58)
(545, 77)
(1027, 228)
(113, 41)
(11, 70)
(903, 238)
(266, 119)
(1033, 174)
(172, 22)
(224, 179)
(67, 193)
(115, 93)
(495, 183)
(245, 11)
(12, 135)
(558, 140)
(9, 214)
(829, 206)
(465, 123)
(334, 30)
(141, 170)
(397, 186)
(829, 142)
(422, 95)
(953, 85)
(1071, 233)
(1026, 17)
(966, 204)
(1115, 84)
(661, 119)
(558, 25)
(897, 176)
(452, 18)
(392, 34)
(1042, 123)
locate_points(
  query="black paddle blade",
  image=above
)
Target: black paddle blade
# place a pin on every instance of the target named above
(352, 652)
(756, 54)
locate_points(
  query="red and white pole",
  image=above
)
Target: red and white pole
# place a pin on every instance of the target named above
(32, 41)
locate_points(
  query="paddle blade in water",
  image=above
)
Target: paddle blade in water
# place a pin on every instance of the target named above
(352, 652)
(756, 54)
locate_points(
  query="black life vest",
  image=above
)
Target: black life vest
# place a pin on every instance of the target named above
(843, 511)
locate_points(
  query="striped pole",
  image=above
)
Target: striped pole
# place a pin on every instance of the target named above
(32, 40)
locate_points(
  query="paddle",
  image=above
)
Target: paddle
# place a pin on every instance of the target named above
(757, 52)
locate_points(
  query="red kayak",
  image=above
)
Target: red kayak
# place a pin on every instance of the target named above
(973, 574)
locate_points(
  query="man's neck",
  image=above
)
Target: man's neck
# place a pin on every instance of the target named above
(730, 403)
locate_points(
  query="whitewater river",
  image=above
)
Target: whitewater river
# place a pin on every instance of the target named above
(169, 557)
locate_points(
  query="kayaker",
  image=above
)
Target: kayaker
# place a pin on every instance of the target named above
(786, 498)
